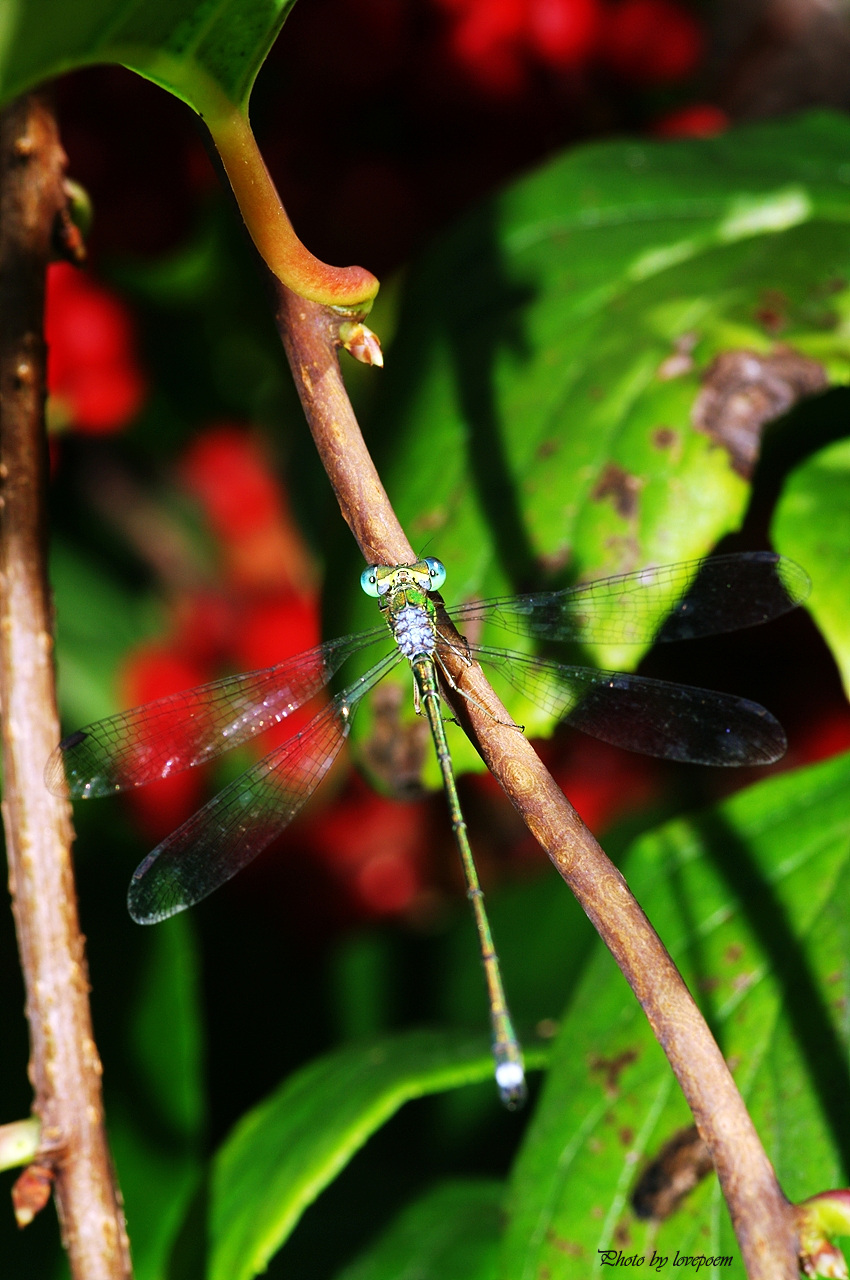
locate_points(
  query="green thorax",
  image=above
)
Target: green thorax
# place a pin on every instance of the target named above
(403, 598)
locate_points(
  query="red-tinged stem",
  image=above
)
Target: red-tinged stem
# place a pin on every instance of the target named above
(763, 1219)
(64, 1066)
(270, 228)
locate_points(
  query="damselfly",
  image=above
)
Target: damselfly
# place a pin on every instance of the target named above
(673, 721)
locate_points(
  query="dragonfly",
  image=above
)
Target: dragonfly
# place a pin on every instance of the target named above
(673, 721)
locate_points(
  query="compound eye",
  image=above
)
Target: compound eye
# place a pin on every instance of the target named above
(369, 580)
(437, 570)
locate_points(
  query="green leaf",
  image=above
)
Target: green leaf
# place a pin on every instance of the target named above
(453, 1230)
(169, 997)
(536, 422)
(810, 525)
(749, 897)
(525, 391)
(284, 1152)
(196, 49)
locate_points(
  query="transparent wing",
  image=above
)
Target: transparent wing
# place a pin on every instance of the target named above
(185, 729)
(673, 721)
(238, 823)
(672, 602)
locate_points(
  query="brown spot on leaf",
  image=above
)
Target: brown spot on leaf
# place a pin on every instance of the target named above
(622, 1235)
(680, 1164)
(772, 311)
(621, 487)
(552, 562)
(664, 437)
(744, 390)
(612, 1067)
(570, 1247)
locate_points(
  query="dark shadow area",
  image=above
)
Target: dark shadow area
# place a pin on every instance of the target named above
(460, 294)
(488, 318)
(787, 442)
(189, 1256)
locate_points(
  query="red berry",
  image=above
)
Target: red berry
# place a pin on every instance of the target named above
(377, 844)
(276, 628)
(651, 41)
(486, 41)
(387, 883)
(562, 32)
(227, 470)
(204, 625)
(163, 806)
(153, 671)
(93, 373)
(271, 630)
(699, 120)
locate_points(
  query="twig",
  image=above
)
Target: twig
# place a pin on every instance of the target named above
(64, 1065)
(762, 1218)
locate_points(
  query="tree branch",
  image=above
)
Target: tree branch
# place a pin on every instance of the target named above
(761, 1215)
(64, 1065)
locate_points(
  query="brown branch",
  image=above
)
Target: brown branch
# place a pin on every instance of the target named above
(64, 1065)
(762, 1218)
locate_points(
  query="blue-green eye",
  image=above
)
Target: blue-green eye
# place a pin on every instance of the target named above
(369, 580)
(437, 570)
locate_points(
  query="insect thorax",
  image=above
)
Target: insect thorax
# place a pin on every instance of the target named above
(413, 628)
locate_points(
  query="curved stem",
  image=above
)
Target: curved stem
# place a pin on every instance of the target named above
(64, 1065)
(269, 226)
(763, 1219)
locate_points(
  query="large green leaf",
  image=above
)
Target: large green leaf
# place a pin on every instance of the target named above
(199, 50)
(811, 525)
(750, 899)
(284, 1152)
(531, 425)
(537, 423)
